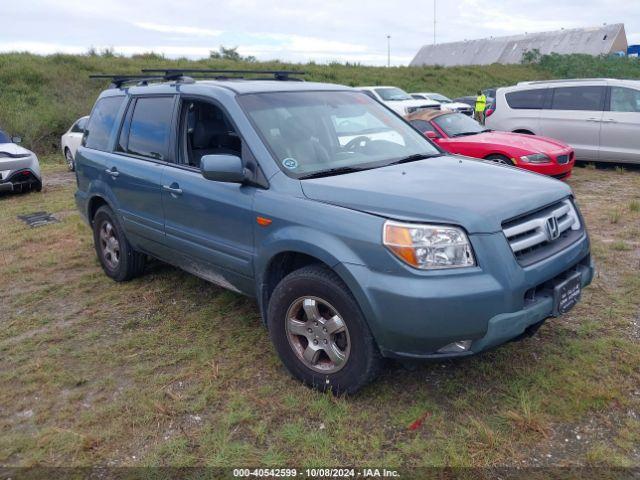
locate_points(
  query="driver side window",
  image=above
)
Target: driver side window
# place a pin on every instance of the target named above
(205, 130)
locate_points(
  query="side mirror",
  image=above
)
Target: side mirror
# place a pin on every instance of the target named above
(223, 168)
(431, 135)
(16, 139)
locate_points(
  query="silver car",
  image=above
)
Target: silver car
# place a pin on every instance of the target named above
(19, 167)
(599, 118)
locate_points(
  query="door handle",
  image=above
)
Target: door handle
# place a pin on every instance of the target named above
(172, 190)
(610, 120)
(113, 172)
(592, 119)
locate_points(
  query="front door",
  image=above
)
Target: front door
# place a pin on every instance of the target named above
(620, 141)
(208, 224)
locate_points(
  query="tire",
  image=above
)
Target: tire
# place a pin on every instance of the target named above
(500, 159)
(71, 164)
(118, 259)
(294, 297)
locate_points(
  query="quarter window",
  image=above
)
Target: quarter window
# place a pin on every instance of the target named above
(102, 122)
(578, 98)
(624, 100)
(150, 127)
(527, 99)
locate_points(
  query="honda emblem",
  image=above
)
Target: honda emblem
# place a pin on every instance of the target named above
(553, 231)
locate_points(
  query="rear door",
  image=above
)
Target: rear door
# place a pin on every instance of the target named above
(134, 170)
(619, 139)
(574, 115)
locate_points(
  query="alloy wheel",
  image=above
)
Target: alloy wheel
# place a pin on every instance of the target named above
(318, 335)
(109, 245)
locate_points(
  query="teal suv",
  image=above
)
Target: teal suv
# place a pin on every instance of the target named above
(359, 238)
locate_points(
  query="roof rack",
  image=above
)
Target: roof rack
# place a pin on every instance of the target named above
(118, 80)
(283, 75)
(563, 80)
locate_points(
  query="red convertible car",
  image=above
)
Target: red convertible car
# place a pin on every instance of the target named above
(457, 133)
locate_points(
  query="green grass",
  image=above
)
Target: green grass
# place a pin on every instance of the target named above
(41, 96)
(170, 370)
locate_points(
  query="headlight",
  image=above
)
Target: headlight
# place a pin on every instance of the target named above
(535, 158)
(428, 247)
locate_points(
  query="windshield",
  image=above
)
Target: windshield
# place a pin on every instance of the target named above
(457, 125)
(4, 138)
(439, 98)
(392, 93)
(315, 132)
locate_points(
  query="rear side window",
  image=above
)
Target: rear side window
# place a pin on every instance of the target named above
(101, 123)
(578, 98)
(527, 99)
(150, 128)
(625, 100)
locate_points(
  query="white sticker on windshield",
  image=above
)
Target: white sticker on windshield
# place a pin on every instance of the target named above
(290, 163)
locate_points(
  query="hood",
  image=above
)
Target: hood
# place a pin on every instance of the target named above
(13, 149)
(525, 143)
(455, 190)
(455, 106)
(413, 103)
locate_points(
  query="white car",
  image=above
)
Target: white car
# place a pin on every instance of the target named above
(398, 100)
(445, 102)
(599, 118)
(70, 141)
(19, 167)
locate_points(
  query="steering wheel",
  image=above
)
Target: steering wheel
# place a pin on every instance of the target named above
(357, 143)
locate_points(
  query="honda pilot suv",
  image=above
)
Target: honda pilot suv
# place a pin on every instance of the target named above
(359, 238)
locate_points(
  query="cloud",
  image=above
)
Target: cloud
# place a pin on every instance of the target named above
(196, 31)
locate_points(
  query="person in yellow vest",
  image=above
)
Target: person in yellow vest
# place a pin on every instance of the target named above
(481, 104)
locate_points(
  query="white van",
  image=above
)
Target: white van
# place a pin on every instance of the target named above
(599, 118)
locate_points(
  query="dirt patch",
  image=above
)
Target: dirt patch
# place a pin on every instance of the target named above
(58, 179)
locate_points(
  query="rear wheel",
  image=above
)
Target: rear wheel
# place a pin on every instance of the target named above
(118, 259)
(69, 159)
(320, 333)
(499, 159)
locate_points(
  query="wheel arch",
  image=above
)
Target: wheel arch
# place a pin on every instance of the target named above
(94, 203)
(524, 131)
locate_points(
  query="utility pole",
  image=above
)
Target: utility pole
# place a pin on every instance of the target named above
(434, 22)
(388, 50)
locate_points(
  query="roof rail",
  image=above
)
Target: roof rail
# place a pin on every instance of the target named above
(564, 80)
(118, 80)
(222, 74)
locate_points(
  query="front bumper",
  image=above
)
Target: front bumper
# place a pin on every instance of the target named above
(414, 315)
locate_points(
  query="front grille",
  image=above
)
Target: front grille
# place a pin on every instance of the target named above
(423, 107)
(544, 232)
(562, 159)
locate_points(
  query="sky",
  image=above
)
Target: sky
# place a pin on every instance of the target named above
(290, 30)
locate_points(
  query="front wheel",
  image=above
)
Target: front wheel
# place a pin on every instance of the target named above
(320, 333)
(499, 159)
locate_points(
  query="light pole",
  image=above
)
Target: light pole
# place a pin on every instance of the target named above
(388, 51)
(434, 22)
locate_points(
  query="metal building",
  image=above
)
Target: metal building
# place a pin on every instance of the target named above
(593, 41)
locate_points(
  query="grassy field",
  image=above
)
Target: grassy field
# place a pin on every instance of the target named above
(41, 96)
(170, 370)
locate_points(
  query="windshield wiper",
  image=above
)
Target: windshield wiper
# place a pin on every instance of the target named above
(415, 157)
(332, 171)
(465, 134)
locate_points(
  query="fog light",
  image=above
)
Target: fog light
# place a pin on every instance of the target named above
(456, 347)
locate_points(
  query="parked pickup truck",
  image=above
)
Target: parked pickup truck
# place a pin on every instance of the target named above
(378, 246)
(398, 100)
